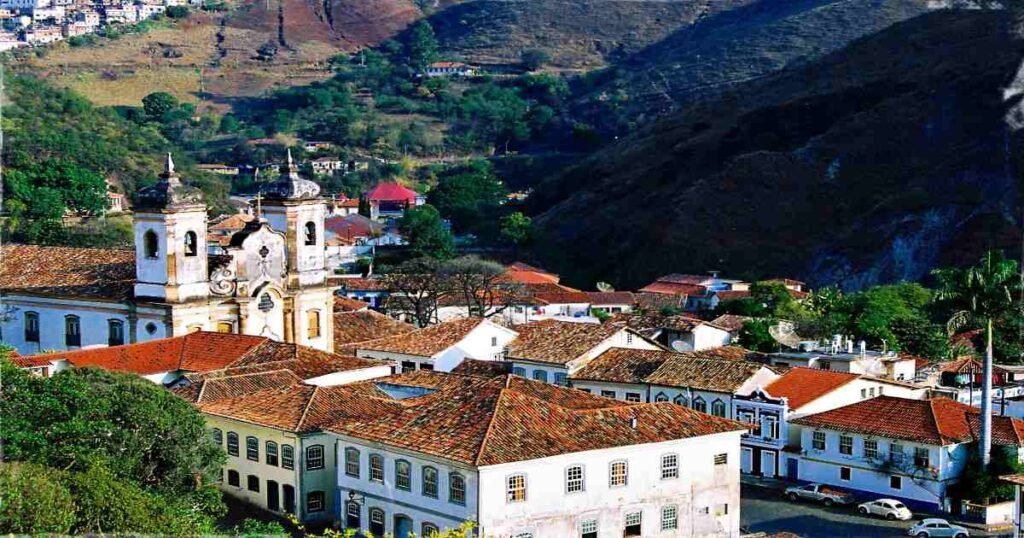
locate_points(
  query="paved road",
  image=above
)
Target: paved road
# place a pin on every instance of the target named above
(764, 510)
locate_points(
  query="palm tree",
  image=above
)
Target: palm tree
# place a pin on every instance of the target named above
(980, 295)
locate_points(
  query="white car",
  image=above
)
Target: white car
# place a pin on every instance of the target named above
(937, 528)
(888, 508)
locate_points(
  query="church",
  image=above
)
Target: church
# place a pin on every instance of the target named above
(271, 281)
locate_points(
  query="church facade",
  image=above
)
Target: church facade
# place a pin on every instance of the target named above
(271, 282)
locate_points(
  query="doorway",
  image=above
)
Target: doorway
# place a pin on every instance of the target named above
(289, 499)
(403, 526)
(273, 496)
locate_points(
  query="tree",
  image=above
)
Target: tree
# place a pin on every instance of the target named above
(516, 228)
(177, 12)
(470, 195)
(34, 500)
(415, 287)
(480, 286)
(755, 335)
(157, 104)
(980, 295)
(422, 46)
(534, 59)
(426, 233)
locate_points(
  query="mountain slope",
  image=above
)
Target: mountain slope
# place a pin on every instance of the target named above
(873, 164)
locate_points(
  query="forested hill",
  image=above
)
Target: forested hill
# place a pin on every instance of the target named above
(876, 163)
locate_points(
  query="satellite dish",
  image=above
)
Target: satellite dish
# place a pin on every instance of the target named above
(604, 286)
(680, 346)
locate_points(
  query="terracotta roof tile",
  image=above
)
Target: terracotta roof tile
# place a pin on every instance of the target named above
(425, 342)
(365, 325)
(621, 365)
(558, 342)
(347, 304)
(804, 385)
(359, 284)
(550, 293)
(610, 297)
(481, 368)
(391, 192)
(731, 322)
(939, 421)
(672, 288)
(696, 370)
(67, 271)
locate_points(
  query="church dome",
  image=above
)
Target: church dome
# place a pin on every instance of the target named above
(289, 186)
(169, 192)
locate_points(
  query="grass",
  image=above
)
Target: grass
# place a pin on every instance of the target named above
(128, 89)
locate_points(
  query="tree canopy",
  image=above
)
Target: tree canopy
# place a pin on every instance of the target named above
(426, 233)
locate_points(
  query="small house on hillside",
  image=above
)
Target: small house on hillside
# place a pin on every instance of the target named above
(449, 69)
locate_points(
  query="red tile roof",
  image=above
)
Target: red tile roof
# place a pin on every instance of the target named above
(940, 421)
(558, 342)
(667, 368)
(359, 284)
(425, 342)
(391, 192)
(731, 322)
(728, 295)
(548, 293)
(804, 385)
(67, 272)
(674, 288)
(347, 304)
(600, 298)
(352, 226)
(527, 274)
(365, 325)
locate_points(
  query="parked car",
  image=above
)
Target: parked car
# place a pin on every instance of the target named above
(888, 508)
(817, 492)
(937, 528)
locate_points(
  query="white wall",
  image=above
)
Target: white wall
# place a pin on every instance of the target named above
(350, 376)
(550, 511)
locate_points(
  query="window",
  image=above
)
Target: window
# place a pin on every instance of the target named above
(271, 453)
(661, 397)
(540, 375)
(825, 365)
(870, 449)
(31, 327)
(287, 457)
(561, 379)
(680, 400)
(608, 393)
(429, 530)
(846, 445)
(403, 475)
(115, 332)
(588, 528)
(225, 327)
(896, 482)
(771, 426)
(218, 436)
(376, 468)
(314, 457)
(669, 466)
(629, 338)
(574, 479)
(721, 459)
(700, 405)
(352, 462)
(253, 482)
(722, 510)
(72, 331)
(718, 408)
(818, 441)
(456, 488)
(896, 453)
(252, 448)
(233, 443)
(315, 501)
(515, 488)
(376, 522)
(191, 244)
(313, 324)
(494, 341)
(669, 518)
(871, 392)
(633, 524)
(921, 457)
(150, 244)
(430, 482)
(618, 474)
(310, 233)
(519, 371)
(863, 393)
(633, 397)
(234, 479)
(844, 473)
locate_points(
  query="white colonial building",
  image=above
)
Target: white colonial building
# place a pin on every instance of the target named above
(271, 282)
(441, 347)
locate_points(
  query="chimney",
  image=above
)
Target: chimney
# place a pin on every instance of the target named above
(632, 422)
(849, 345)
(863, 348)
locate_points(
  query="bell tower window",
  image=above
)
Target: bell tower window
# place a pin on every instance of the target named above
(191, 244)
(150, 244)
(310, 233)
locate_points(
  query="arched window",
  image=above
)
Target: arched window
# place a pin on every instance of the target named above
(191, 243)
(115, 332)
(254, 483)
(429, 530)
(352, 462)
(271, 453)
(31, 327)
(233, 443)
(72, 331)
(234, 479)
(225, 327)
(403, 475)
(287, 457)
(313, 324)
(314, 457)
(377, 522)
(218, 437)
(456, 488)
(540, 375)
(430, 482)
(252, 448)
(310, 233)
(618, 474)
(700, 405)
(376, 468)
(680, 400)
(515, 488)
(150, 244)
(519, 371)
(718, 408)
(661, 397)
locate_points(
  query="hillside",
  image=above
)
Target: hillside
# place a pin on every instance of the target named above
(875, 163)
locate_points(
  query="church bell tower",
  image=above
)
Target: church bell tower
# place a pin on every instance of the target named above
(293, 206)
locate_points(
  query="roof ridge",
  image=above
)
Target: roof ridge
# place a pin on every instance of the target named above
(305, 411)
(935, 420)
(202, 390)
(490, 423)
